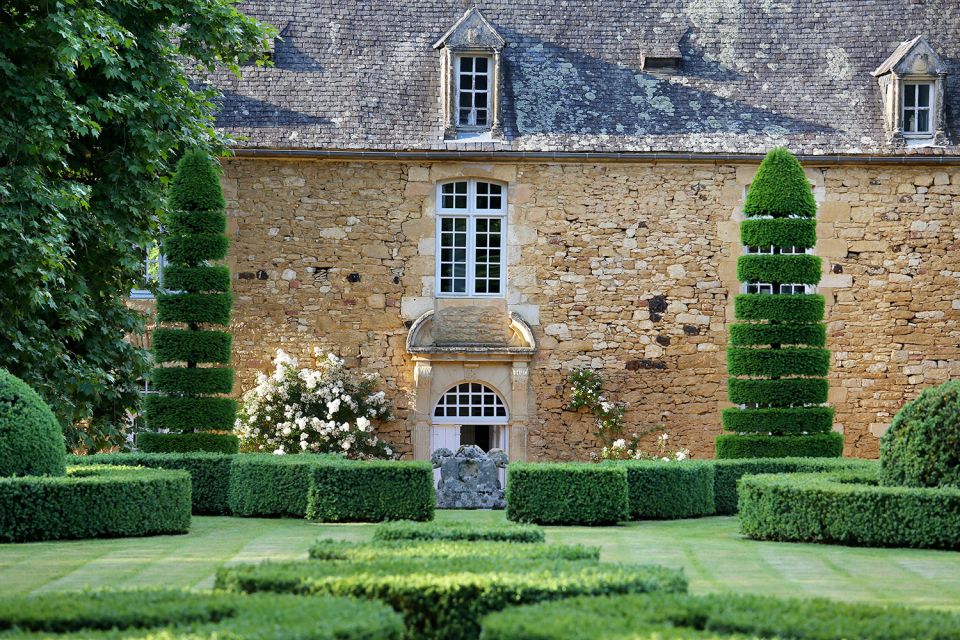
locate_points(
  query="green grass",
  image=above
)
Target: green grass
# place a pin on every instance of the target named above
(711, 551)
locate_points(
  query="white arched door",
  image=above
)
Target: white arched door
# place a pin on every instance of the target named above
(469, 413)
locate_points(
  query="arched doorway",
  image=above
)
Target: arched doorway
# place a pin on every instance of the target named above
(470, 413)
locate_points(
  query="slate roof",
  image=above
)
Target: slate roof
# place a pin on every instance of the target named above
(361, 74)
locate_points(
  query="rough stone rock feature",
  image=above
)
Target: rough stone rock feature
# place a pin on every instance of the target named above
(469, 478)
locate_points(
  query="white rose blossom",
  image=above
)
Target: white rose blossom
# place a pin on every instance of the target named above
(326, 409)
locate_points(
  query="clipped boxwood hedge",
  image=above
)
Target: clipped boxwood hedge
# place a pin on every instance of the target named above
(194, 308)
(848, 508)
(779, 420)
(202, 380)
(783, 268)
(726, 473)
(713, 617)
(204, 413)
(783, 232)
(783, 392)
(371, 491)
(94, 502)
(445, 598)
(922, 446)
(777, 363)
(181, 345)
(815, 445)
(567, 493)
(179, 277)
(150, 442)
(661, 490)
(179, 615)
(31, 441)
(196, 221)
(779, 308)
(504, 532)
(266, 485)
(495, 551)
(747, 334)
(196, 247)
(780, 188)
(209, 473)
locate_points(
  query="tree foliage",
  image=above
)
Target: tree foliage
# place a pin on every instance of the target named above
(96, 106)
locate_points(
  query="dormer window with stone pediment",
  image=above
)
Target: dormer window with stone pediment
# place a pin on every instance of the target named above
(913, 82)
(470, 71)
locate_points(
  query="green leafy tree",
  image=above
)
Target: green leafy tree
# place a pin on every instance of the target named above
(96, 106)
(777, 358)
(198, 299)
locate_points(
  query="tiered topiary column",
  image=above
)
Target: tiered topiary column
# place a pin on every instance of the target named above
(776, 360)
(198, 298)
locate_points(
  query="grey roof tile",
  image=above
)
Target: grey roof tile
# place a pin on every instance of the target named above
(354, 74)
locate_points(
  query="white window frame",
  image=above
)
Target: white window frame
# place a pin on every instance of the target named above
(916, 109)
(160, 262)
(470, 420)
(471, 123)
(766, 288)
(471, 213)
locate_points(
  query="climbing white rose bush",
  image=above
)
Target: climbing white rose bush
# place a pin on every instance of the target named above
(327, 409)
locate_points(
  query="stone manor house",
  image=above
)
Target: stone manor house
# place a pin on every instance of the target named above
(471, 199)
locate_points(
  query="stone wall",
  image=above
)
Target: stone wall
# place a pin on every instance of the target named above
(625, 267)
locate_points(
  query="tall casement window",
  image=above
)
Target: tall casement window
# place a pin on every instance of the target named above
(473, 91)
(151, 275)
(471, 238)
(917, 108)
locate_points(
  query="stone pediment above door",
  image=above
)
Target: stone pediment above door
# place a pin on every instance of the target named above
(471, 329)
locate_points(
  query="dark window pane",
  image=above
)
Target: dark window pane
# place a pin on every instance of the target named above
(481, 100)
(923, 120)
(446, 270)
(481, 83)
(481, 117)
(481, 271)
(493, 286)
(909, 95)
(461, 202)
(466, 101)
(483, 187)
(495, 225)
(466, 82)
(482, 225)
(483, 202)
(460, 286)
(460, 270)
(461, 223)
(909, 121)
(495, 202)
(447, 201)
(923, 97)
(466, 64)
(464, 116)
(460, 187)
(494, 271)
(481, 65)
(496, 189)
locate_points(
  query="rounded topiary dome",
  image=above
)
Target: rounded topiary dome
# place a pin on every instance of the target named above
(922, 446)
(31, 441)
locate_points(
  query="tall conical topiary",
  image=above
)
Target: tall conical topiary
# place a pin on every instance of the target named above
(186, 345)
(776, 360)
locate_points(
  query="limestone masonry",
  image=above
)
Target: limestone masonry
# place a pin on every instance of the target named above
(627, 268)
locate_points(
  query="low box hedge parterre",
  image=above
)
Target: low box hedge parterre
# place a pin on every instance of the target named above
(662, 490)
(94, 502)
(726, 473)
(567, 493)
(181, 615)
(263, 485)
(446, 598)
(714, 617)
(409, 549)
(453, 530)
(370, 491)
(848, 508)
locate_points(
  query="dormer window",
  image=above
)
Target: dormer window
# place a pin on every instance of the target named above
(917, 109)
(913, 82)
(470, 72)
(473, 91)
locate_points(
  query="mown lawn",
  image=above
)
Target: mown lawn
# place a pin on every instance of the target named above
(714, 555)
